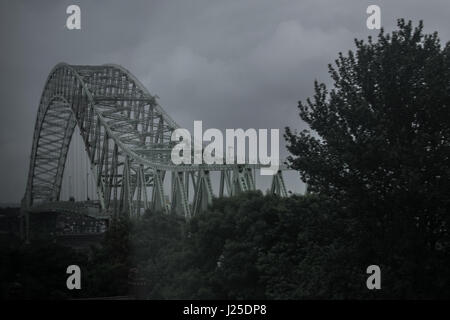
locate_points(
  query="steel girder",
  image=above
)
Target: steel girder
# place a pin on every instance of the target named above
(126, 135)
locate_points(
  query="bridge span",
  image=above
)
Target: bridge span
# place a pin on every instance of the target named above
(127, 138)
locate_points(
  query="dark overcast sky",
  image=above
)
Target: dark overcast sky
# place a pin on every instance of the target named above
(230, 63)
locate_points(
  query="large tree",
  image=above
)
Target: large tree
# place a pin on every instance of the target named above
(379, 144)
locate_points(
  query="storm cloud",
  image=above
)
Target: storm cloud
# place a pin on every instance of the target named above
(229, 63)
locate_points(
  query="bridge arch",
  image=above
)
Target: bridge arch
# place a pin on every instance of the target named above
(126, 134)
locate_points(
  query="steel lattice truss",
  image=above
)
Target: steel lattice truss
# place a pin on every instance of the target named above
(127, 138)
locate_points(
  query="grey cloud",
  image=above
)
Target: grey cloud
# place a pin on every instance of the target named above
(234, 63)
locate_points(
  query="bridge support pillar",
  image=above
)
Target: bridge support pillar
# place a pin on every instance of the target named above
(158, 199)
(225, 182)
(203, 192)
(180, 202)
(278, 186)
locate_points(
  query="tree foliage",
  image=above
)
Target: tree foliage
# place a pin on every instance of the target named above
(248, 247)
(379, 144)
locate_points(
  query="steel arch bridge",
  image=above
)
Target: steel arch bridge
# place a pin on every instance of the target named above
(127, 137)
